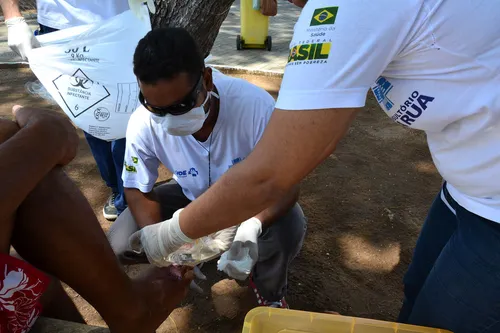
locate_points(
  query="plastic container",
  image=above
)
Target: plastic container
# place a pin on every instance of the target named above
(270, 320)
(254, 28)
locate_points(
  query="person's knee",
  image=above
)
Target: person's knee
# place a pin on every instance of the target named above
(120, 231)
(296, 223)
(288, 232)
(7, 129)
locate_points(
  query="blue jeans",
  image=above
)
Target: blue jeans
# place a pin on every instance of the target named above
(109, 156)
(453, 281)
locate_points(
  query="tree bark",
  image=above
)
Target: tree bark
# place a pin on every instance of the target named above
(202, 18)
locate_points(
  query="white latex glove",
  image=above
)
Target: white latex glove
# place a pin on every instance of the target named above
(136, 7)
(225, 238)
(20, 37)
(159, 240)
(239, 260)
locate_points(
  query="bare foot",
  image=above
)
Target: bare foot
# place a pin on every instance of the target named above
(159, 291)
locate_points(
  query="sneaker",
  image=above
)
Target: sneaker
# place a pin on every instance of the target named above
(109, 211)
(281, 304)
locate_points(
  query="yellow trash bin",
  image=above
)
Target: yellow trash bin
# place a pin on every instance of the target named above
(254, 28)
(269, 320)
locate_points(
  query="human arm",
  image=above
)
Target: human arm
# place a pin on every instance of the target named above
(294, 143)
(325, 83)
(20, 38)
(140, 171)
(45, 139)
(275, 211)
(144, 207)
(10, 8)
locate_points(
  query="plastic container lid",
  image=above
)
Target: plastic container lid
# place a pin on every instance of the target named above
(270, 320)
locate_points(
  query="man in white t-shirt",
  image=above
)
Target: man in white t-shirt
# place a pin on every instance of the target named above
(199, 123)
(433, 65)
(53, 15)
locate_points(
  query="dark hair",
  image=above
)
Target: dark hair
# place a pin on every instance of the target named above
(164, 53)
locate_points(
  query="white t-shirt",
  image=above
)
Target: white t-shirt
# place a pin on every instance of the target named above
(244, 112)
(62, 14)
(433, 65)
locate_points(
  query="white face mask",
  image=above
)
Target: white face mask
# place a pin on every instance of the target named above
(187, 123)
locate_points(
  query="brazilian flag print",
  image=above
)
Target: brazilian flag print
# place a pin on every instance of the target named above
(325, 15)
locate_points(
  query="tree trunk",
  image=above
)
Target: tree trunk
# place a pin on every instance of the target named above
(202, 18)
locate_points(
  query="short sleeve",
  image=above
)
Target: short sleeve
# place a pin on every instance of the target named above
(339, 49)
(141, 164)
(265, 108)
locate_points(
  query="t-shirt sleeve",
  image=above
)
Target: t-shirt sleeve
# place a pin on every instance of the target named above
(141, 164)
(339, 48)
(266, 108)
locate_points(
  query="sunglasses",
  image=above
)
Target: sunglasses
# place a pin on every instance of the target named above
(188, 102)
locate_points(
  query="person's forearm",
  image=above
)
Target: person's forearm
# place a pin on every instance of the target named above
(144, 207)
(235, 205)
(10, 8)
(26, 158)
(274, 212)
(293, 144)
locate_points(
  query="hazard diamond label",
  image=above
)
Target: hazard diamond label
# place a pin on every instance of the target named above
(79, 93)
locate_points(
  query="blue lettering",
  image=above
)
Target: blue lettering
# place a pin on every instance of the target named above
(407, 120)
(423, 100)
(416, 108)
(412, 110)
(182, 173)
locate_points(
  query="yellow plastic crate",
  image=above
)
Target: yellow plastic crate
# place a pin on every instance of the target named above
(269, 320)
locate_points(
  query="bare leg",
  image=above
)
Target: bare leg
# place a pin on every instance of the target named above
(7, 129)
(56, 230)
(58, 305)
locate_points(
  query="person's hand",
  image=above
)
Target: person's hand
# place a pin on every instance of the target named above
(136, 7)
(239, 260)
(159, 240)
(53, 127)
(20, 38)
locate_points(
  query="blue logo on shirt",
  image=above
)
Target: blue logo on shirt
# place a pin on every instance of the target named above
(381, 90)
(184, 173)
(193, 172)
(181, 173)
(236, 161)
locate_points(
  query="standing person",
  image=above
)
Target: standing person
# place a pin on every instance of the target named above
(199, 123)
(54, 15)
(433, 65)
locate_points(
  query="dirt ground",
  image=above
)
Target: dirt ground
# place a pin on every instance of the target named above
(365, 204)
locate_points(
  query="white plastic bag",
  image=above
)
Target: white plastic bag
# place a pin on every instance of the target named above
(201, 250)
(204, 249)
(88, 71)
